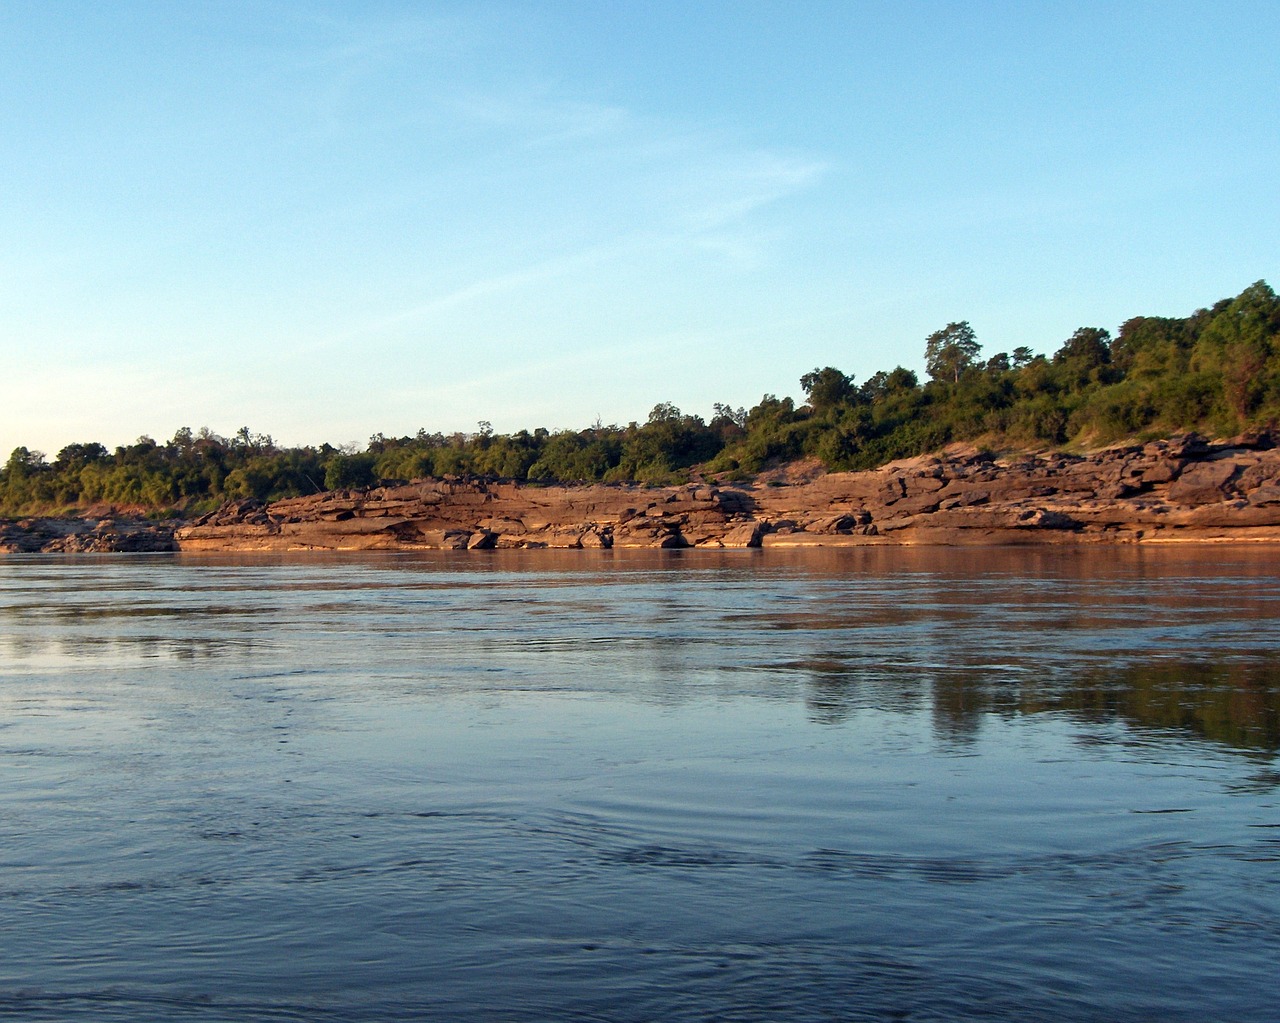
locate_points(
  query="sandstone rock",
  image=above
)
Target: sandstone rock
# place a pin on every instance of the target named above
(1116, 491)
(1232, 515)
(735, 501)
(640, 532)
(1187, 446)
(1158, 492)
(748, 534)
(1265, 470)
(892, 489)
(1256, 440)
(836, 524)
(503, 525)
(81, 536)
(917, 485)
(921, 504)
(1163, 470)
(1203, 482)
(597, 538)
(1041, 518)
(1268, 493)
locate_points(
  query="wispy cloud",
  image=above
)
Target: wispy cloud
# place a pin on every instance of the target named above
(730, 186)
(484, 289)
(500, 184)
(539, 118)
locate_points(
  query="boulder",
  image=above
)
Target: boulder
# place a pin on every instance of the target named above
(1203, 482)
(1268, 493)
(1164, 470)
(748, 534)
(1042, 518)
(597, 538)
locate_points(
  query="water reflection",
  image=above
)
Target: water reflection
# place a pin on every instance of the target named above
(1236, 705)
(1118, 635)
(77, 650)
(596, 785)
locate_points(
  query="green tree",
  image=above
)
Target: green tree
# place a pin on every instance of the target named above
(1089, 346)
(950, 351)
(1022, 356)
(1083, 357)
(1238, 343)
(21, 477)
(827, 388)
(343, 471)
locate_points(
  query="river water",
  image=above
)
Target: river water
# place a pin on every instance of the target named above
(864, 784)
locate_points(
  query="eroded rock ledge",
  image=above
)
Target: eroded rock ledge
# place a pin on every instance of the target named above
(1179, 489)
(85, 536)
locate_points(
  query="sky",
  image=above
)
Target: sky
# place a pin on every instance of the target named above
(329, 220)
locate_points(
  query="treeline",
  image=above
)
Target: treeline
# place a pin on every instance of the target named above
(1217, 371)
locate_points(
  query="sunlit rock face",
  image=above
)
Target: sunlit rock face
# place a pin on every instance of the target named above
(1178, 489)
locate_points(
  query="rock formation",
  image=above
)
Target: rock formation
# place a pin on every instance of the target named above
(1184, 488)
(1179, 489)
(84, 536)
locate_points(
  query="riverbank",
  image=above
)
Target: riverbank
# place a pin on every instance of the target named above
(1179, 490)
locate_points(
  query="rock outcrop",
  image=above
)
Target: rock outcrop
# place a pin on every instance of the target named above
(84, 536)
(479, 515)
(1179, 489)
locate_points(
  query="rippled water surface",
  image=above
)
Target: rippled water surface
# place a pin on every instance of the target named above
(842, 785)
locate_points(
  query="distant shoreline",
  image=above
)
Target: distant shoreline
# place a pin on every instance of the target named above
(1181, 490)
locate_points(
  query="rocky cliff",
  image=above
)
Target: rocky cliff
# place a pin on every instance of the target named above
(1179, 489)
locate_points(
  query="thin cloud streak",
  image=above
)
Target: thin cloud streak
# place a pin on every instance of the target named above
(694, 195)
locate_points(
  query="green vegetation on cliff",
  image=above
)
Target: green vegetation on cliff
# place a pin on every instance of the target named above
(1216, 371)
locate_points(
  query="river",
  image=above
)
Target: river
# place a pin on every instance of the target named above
(849, 784)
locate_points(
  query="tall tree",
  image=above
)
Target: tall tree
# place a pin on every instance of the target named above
(1089, 347)
(827, 388)
(950, 351)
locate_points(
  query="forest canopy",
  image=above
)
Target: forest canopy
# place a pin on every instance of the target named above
(1216, 371)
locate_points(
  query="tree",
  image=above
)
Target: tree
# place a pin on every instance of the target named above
(1152, 346)
(950, 351)
(1022, 356)
(1238, 343)
(1088, 347)
(20, 477)
(663, 412)
(900, 379)
(827, 388)
(1084, 358)
(343, 471)
(75, 457)
(23, 462)
(727, 415)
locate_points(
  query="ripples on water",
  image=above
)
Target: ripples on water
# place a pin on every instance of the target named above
(855, 785)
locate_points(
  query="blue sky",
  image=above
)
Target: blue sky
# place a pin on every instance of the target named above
(325, 220)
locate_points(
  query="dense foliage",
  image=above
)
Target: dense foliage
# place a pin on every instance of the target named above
(1217, 370)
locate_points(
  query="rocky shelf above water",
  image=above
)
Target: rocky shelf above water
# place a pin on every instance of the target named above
(1183, 489)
